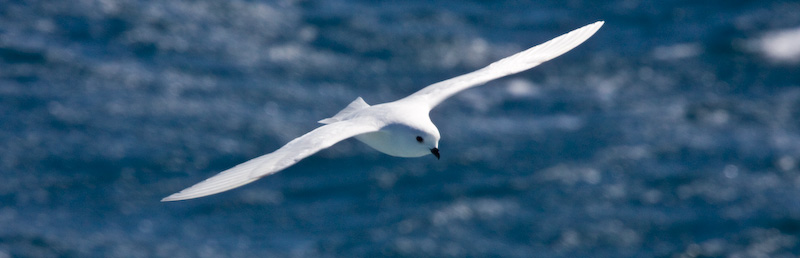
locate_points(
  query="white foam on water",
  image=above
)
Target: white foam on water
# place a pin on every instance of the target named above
(780, 46)
(677, 51)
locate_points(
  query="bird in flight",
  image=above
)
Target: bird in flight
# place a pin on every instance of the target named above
(399, 128)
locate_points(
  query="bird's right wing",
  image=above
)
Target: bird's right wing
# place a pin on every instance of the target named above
(438, 92)
(294, 151)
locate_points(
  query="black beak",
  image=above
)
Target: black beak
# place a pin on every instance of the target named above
(435, 152)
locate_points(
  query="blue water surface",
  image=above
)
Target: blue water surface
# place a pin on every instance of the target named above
(673, 132)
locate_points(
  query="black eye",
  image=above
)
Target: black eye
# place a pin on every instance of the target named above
(419, 139)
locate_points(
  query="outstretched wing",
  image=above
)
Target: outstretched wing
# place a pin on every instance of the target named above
(294, 151)
(438, 92)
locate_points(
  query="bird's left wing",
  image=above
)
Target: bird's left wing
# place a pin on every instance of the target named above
(438, 92)
(294, 151)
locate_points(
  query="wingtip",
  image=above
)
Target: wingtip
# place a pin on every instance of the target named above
(589, 30)
(596, 25)
(180, 196)
(183, 195)
(170, 198)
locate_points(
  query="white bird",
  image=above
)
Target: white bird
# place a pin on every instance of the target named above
(400, 128)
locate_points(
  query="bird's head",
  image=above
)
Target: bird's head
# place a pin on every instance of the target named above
(428, 137)
(429, 141)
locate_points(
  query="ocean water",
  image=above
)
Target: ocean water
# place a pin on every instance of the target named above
(673, 132)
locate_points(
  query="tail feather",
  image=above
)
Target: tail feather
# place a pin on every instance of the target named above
(357, 104)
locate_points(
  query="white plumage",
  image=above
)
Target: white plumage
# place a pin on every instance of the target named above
(400, 128)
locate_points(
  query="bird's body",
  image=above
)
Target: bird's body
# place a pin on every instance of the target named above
(400, 128)
(400, 120)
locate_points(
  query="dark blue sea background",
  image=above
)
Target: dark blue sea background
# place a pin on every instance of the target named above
(673, 132)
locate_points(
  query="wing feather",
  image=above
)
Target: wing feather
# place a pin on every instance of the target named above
(438, 92)
(294, 151)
